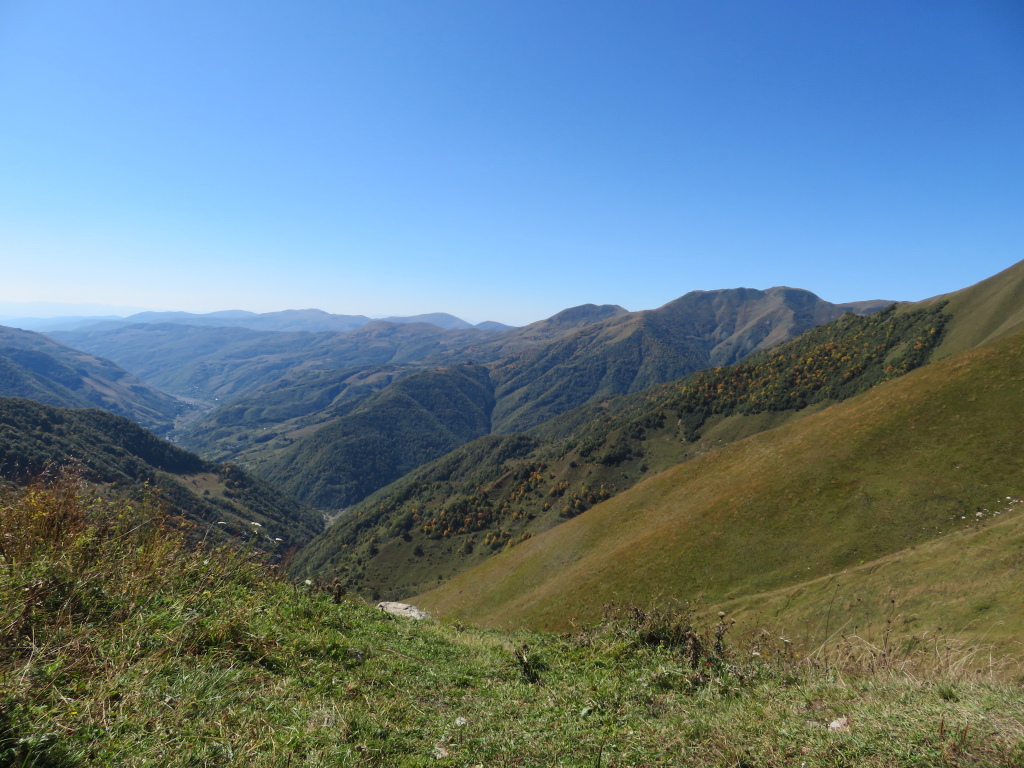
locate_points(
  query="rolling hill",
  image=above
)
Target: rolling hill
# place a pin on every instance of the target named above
(252, 429)
(418, 418)
(221, 363)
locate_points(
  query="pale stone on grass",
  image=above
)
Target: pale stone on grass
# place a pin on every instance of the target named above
(403, 609)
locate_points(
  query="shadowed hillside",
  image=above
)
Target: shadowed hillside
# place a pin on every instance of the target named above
(418, 418)
(223, 501)
(36, 367)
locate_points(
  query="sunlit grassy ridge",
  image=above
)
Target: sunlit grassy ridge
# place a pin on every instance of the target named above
(897, 466)
(121, 647)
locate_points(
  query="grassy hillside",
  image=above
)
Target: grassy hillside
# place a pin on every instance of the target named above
(418, 418)
(223, 501)
(452, 514)
(38, 368)
(986, 311)
(894, 467)
(119, 646)
(966, 583)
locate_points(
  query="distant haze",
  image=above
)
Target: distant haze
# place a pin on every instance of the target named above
(55, 309)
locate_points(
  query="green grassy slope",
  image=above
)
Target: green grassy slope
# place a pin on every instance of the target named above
(36, 367)
(121, 647)
(221, 500)
(989, 310)
(894, 467)
(967, 584)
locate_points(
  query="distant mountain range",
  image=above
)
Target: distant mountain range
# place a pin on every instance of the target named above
(320, 380)
(287, 320)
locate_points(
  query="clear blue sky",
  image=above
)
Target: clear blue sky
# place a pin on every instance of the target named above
(504, 160)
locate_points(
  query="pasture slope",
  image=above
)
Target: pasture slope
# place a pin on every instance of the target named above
(914, 461)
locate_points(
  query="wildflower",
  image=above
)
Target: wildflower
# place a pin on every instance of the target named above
(221, 522)
(258, 525)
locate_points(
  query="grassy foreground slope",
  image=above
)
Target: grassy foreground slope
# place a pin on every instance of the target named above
(119, 646)
(894, 467)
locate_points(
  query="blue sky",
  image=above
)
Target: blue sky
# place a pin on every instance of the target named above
(504, 160)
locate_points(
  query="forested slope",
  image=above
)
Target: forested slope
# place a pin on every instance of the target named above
(109, 449)
(418, 418)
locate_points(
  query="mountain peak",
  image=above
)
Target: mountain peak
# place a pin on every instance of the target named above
(585, 313)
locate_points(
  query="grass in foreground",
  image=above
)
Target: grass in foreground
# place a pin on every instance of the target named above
(119, 646)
